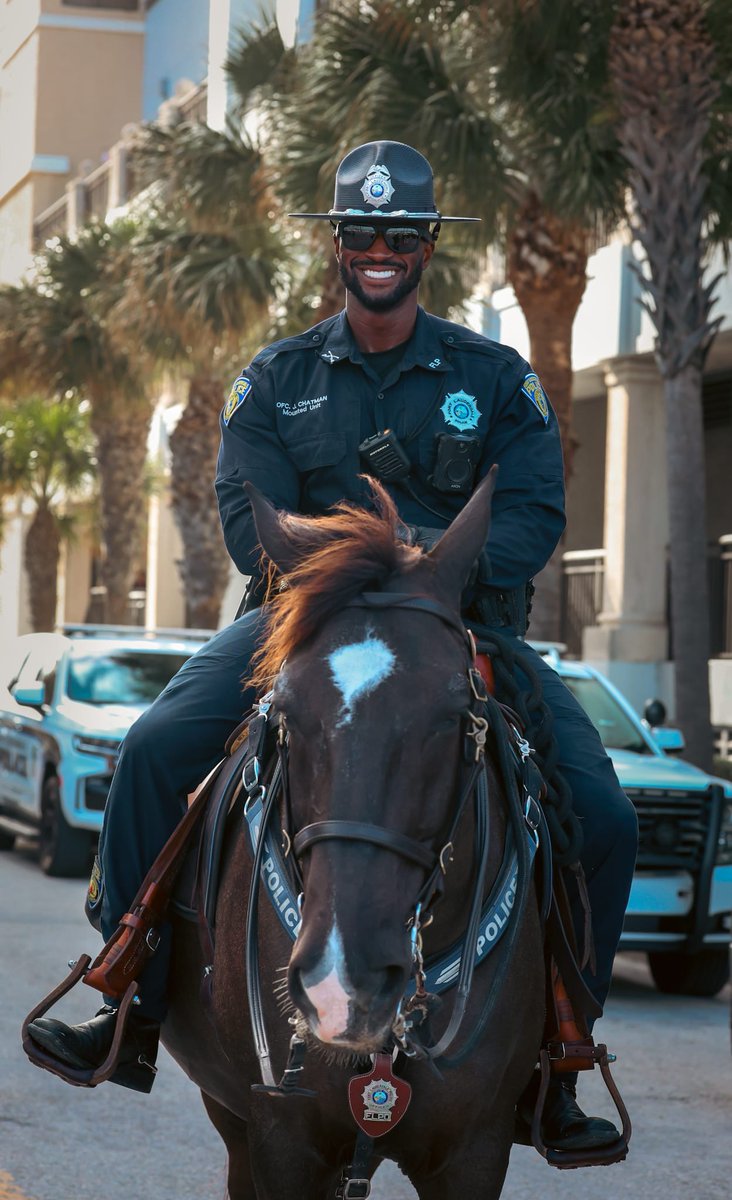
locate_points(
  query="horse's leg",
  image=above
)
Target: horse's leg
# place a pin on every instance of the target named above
(477, 1169)
(240, 1185)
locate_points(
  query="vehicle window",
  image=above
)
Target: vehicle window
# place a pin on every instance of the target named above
(613, 725)
(120, 677)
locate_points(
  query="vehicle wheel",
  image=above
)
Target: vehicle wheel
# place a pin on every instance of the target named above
(7, 840)
(62, 851)
(702, 974)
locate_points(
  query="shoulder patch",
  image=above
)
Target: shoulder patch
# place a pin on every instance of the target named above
(238, 394)
(532, 388)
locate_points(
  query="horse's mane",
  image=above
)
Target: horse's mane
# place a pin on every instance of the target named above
(339, 555)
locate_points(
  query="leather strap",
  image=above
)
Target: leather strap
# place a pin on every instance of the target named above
(360, 831)
(130, 946)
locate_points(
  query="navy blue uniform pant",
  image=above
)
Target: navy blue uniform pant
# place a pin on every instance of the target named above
(177, 741)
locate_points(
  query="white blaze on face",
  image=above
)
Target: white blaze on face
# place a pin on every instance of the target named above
(331, 996)
(359, 668)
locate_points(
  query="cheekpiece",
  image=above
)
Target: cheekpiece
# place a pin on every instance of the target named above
(384, 181)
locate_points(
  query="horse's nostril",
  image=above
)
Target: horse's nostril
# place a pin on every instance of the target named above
(393, 981)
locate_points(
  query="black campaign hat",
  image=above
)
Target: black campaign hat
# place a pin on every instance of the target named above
(384, 181)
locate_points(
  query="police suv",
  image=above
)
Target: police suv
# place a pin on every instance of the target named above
(66, 702)
(680, 905)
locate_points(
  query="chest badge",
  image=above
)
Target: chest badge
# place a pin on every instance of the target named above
(460, 410)
(532, 388)
(238, 394)
(377, 188)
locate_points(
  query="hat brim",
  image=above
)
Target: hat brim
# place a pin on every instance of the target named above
(347, 215)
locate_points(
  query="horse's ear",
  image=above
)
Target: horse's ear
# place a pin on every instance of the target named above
(464, 539)
(272, 532)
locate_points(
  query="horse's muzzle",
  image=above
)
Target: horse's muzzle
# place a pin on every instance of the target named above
(340, 1014)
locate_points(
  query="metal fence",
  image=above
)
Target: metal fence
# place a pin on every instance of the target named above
(583, 574)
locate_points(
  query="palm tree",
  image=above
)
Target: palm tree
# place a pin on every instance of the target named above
(301, 151)
(55, 334)
(204, 269)
(671, 65)
(45, 454)
(442, 76)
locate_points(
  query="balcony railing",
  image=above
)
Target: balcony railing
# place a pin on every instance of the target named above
(96, 188)
(583, 574)
(51, 223)
(193, 106)
(94, 192)
(725, 595)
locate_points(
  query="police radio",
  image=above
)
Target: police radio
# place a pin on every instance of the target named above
(384, 457)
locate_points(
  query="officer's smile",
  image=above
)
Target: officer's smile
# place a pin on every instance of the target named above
(380, 272)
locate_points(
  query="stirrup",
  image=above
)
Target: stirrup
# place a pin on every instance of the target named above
(77, 1076)
(601, 1156)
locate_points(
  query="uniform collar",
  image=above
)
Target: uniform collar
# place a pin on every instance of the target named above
(424, 348)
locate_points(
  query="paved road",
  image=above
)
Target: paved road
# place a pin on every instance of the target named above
(59, 1143)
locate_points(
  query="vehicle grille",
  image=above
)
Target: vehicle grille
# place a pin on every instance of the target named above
(672, 827)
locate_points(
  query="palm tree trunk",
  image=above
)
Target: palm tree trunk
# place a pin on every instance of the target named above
(547, 267)
(204, 569)
(121, 446)
(687, 531)
(664, 73)
(41, 555)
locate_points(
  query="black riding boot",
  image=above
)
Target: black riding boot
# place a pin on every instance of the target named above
(88, 1045)
(564, 1126)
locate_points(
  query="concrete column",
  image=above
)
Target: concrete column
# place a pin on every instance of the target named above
(632, 623)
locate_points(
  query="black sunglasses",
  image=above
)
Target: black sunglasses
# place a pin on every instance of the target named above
(402, 239)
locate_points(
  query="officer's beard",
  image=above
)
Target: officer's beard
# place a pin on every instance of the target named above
(382, 303)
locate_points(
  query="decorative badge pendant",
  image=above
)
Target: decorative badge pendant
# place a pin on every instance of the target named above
(377, 188)
(379, 1100)
(460, 411)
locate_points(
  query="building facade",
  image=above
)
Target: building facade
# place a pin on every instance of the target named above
(172, 53)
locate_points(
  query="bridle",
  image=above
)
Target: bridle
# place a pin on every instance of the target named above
(389, 839)
(433, 862)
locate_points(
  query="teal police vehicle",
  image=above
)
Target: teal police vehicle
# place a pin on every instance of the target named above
(66, 702)
(680, 907)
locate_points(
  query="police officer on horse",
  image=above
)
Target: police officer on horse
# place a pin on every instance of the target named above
(387, 389)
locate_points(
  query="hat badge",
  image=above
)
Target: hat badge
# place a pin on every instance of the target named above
(377, 188)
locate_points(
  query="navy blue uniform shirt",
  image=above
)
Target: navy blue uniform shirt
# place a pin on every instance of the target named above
(295, 418)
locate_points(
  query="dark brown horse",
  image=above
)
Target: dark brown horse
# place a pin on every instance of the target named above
(374, 699)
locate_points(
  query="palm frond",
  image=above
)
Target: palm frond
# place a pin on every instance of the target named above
(212, 176)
